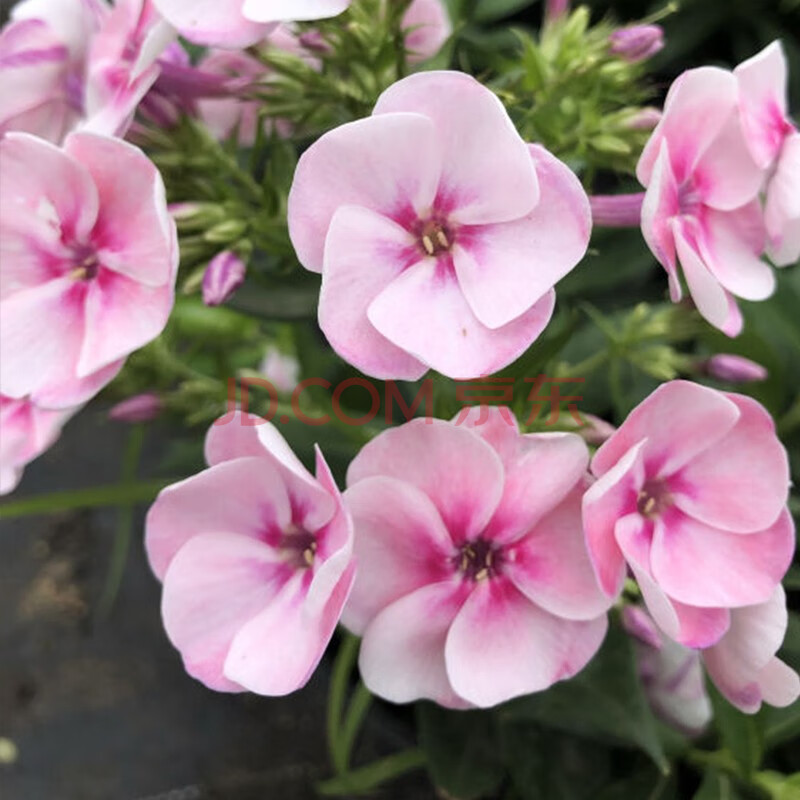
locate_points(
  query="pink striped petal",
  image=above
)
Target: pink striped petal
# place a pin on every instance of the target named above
(487, 174)
(503, 269)
(256, 505)
(364, 252)
(403, 650)
(389, 164)
(420, 453)
(741, 483)
(501, 645)
(401, 545)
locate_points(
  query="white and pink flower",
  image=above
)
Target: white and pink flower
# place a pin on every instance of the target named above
(701, 209)
(256, 559)
(241, 23)
(691, 496)
(743, 664)
(474, 584)
(774, 143)
(439, 233)
(43, 52)
(88, 259)
(26, 431)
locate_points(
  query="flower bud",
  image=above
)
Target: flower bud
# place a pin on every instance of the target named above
(637, 43)
(281, 370)
(223, 276)
(139, 408)
(645, 119)
(734, 369)
(555, 9)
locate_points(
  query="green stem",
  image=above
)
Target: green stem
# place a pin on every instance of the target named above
(357, 710)
(365, 779)
(342, 668)
(97, 497)
(122, 538)
(585, 367)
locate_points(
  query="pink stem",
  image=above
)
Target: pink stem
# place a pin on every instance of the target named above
(617, 210)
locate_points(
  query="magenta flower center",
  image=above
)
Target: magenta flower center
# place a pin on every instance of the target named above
(478, 560)
(300, 547)
(654, 497)
(435, 238)
(85, 264)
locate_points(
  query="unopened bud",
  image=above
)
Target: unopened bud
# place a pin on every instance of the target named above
(223, 276)
(139, 408)
(637, 43)
(281, 370)
(734, 369)
(644, 120)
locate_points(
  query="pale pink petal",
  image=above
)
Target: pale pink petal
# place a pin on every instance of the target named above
(427, 27)
(726, 175)
(779, 684)
(660, 205)
(736, 663)
(732, 248)
(276, 652)
(421, 453)
(501, 645)
(134, 234)
(401, 545)
(782, 211)
(389, 164)
(39, 179)
(551, 565)
(762, 101)
(232, 436)
(704, 566)
(607, 501)
(696, 110)
(74, 391)
(680, 419)
(543, 472)
(122, 315)
(689, 625)
(214, 585)
(709, 296)
(504, 269)
(36, 355)
(402, 653)
(246, 497)
(424, 312)
(487, 173)
(495, 424)
(213, 22)
(364, 252)
(292, 10)
(741, 483)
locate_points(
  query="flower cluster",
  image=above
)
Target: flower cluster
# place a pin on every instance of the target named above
(722, 171)
(483, 561)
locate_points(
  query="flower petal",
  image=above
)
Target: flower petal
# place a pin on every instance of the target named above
(214, 585)
(503, 269)
(364, 252)
(424, 312)
(401, 544)
(212, 22)
(402, 654)
(501, 645)
(487, 173)
(703, 566)
(246, 497)
(421, 453)
(741, 483)
(389, 164)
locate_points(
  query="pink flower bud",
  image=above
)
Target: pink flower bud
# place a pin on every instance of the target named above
(139, 408)
(645, 120)
(637, 43)
(596, 430)
(555, 9)
(223, 276)
(734, 369)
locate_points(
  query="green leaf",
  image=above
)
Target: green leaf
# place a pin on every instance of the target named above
(605, 701)
(742, 735)
(461, 749)
(646, 784)
(716, 786)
